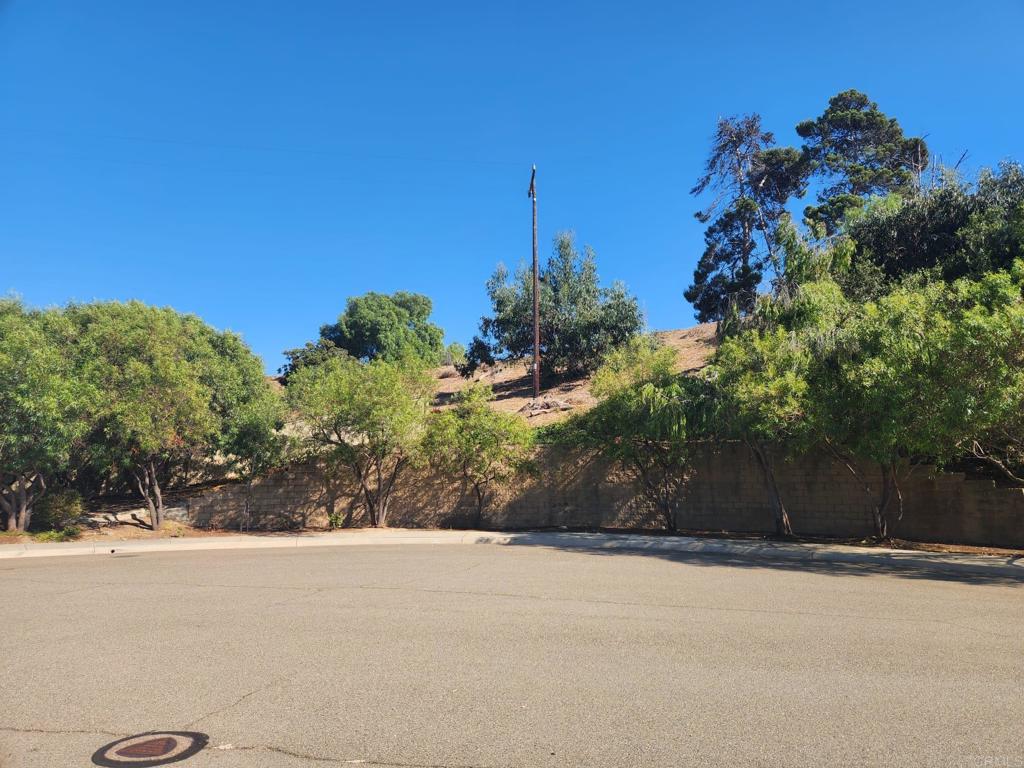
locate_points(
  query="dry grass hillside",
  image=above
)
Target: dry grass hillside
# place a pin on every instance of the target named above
(514, 391)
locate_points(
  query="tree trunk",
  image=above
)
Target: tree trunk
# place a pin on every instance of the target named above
(17, 500)
(888, 485)
(479, 505)
(149, 489)
(670, 517)
(155, 484)
(371, 508)
(244, 524)
(24, 506)
(378, 498)
(783, 527)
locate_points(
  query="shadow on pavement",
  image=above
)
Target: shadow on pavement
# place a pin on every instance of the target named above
(871, 563)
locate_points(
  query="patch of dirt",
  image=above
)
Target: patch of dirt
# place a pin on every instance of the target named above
(513, 385)
(125, 531)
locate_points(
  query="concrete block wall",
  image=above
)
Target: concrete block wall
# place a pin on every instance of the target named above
(726, 493)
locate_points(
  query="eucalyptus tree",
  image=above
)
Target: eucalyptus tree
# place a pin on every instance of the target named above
(580, 321)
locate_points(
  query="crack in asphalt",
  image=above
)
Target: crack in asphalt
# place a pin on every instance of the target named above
(234, 703)
(343, 761)
(310, 592)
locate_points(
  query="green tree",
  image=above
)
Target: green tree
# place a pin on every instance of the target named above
(953, 229)
(751, 181)
(987, 345)
(41, 408)
(924, 374)
(580, 321)
(376, 326)
(455, 354)
(645, 422)
(478, 445)
(858, 151)
(761, 381)
(253, 440)
(368, 417)
(761, 375)
(167, 384)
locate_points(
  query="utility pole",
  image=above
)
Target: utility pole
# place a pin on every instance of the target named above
(536, 290)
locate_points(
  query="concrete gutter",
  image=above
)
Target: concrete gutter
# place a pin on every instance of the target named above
(834, 553)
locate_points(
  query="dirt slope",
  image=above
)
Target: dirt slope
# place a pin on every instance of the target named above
(514, 391)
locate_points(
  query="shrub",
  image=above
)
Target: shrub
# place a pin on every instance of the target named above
(57, 511)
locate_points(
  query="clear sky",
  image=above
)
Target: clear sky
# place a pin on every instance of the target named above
(257, 162)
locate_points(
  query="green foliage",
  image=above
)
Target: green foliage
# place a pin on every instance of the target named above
(762, 378)
(477, 444)
(68, 533)
(639, 361)
(926, 373)
(858, 151)
(646, 422)
(58, 510)
(376, 326)
(368, 417)
(252, 437)
(167, 390)
(761, 382)
(41, 405)
(952, 230)
(312, 353)
(580, 321)
(455, 354)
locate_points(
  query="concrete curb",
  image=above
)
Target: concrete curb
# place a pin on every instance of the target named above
(834, 553)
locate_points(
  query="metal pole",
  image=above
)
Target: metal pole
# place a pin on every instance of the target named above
(536, 291)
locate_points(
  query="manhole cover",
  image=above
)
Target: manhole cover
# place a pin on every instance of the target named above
(145, 750)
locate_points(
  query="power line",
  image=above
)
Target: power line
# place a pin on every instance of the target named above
(346, 153)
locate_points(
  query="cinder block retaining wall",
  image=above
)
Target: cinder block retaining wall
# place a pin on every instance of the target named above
(727, 492)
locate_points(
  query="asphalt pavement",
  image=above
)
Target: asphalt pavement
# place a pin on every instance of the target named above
(435, 654)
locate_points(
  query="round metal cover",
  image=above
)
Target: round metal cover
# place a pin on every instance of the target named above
(146, 750)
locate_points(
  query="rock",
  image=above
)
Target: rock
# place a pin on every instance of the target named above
(544, 405)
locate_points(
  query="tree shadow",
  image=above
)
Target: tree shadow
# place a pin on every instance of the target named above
(898, 565)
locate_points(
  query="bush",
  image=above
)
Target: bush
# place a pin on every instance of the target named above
(478, 445)
(68, 533)
(57, 511)
(645, 422)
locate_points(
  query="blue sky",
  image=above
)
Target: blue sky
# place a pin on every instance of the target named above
(258, 162)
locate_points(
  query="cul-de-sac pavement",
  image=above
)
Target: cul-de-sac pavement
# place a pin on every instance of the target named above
(486, 656)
